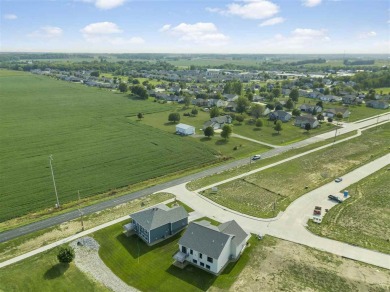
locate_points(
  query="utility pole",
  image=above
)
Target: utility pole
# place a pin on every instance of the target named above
(335, 133)
(54, 182)
(81, 213)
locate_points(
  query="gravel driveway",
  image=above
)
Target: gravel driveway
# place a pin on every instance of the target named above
(87, 260)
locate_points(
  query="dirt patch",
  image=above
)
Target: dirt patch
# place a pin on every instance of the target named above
(286, 266)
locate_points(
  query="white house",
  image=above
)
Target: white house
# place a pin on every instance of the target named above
(183, 129)
(211, 247)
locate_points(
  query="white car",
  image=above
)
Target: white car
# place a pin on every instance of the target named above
(256, 157)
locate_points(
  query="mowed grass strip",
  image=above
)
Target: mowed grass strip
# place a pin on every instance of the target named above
(286, 182)
(150, 268)
(94, 146)
(363, 219)
(42, 272)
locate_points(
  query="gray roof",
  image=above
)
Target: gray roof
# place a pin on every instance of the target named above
(210, 240)
(158, 216)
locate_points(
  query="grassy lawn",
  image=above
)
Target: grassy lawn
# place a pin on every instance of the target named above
(134, 262)
(208, 180)
(364, 218)
(94, 145)
(43, 273)
(275, 188)
(180, 203)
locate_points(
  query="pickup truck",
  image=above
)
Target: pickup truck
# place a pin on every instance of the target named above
(317, 210)
(335, 198)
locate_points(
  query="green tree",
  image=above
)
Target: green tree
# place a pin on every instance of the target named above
(209, 132)
(233, 87)
(327, 91)
(259, 123)
(226, 131)
(95, 74)
(294, 94)
(320, 117)
(307, 127)
(140, 116)
(296, 112)
(139, 91)
(214, 112)
(65, 255)
(194, 112)
(135, 81)
(289, 103)
(122, 87)
(339, 116)
(187, 101)
(278, 126)
(174, 117)
(240, 118)
(276, 92)
(257, 111)
(242, 103)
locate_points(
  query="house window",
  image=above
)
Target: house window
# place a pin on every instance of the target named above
(201, 264)
(208, 267)
(183, 249)
(210, 260)
(200, 255)
(191, 251)
(195, 261)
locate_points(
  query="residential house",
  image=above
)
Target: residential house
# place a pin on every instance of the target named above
(308, 108)
(377, 104)
(217, 102)
(211, 247)
(218, 122)
(158, 223)
(331, 113)
(280, 115)
(350, 99)
(230, 97)
(301, 121)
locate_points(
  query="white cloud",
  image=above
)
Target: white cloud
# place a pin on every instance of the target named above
(10, 16)
(368, 34)
(105, 4)
(300, 38)
(104, 32)
(201, 32)
(311, 3)
(272, 21)
(249, 9)
(98, 28)
(46, 32)
(165, 28)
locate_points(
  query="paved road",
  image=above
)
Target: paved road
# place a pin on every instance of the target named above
(11, 234)
(290, 225)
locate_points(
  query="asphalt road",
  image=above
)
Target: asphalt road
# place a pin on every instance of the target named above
(39, 225)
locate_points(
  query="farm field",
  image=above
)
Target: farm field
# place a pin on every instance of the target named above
(134, 262)
(42, 272)
(95, 147)
(364, 218)
(265, 193)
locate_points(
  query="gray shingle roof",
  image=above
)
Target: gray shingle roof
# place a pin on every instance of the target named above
(158, 216)
(210, 240)
(204, 239)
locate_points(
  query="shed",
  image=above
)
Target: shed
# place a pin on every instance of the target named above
(183, 129)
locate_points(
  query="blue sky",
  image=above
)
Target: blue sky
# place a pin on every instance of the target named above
(164, 26)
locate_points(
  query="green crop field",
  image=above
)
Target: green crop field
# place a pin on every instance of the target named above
(95, 146)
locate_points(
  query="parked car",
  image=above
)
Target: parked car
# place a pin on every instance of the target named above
(335, 198)
(317, 210)
(339, 179)
(256, 157)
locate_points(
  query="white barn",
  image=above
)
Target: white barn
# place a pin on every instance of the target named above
(183, 129)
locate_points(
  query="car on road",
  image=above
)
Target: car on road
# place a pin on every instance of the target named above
(256, 157)
(335, 198)
(339, 179)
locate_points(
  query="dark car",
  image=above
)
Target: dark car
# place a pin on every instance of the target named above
(339, 179)
(335, 198)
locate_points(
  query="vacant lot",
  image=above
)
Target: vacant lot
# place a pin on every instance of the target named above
(150, 268)
(278, 265)
(272, 190)
(43, 273)
(364, 219)
(94, 145)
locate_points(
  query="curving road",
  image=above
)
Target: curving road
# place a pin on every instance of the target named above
(14, 233)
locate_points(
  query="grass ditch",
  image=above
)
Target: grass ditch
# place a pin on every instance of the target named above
(364, 218)
(264, 194)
